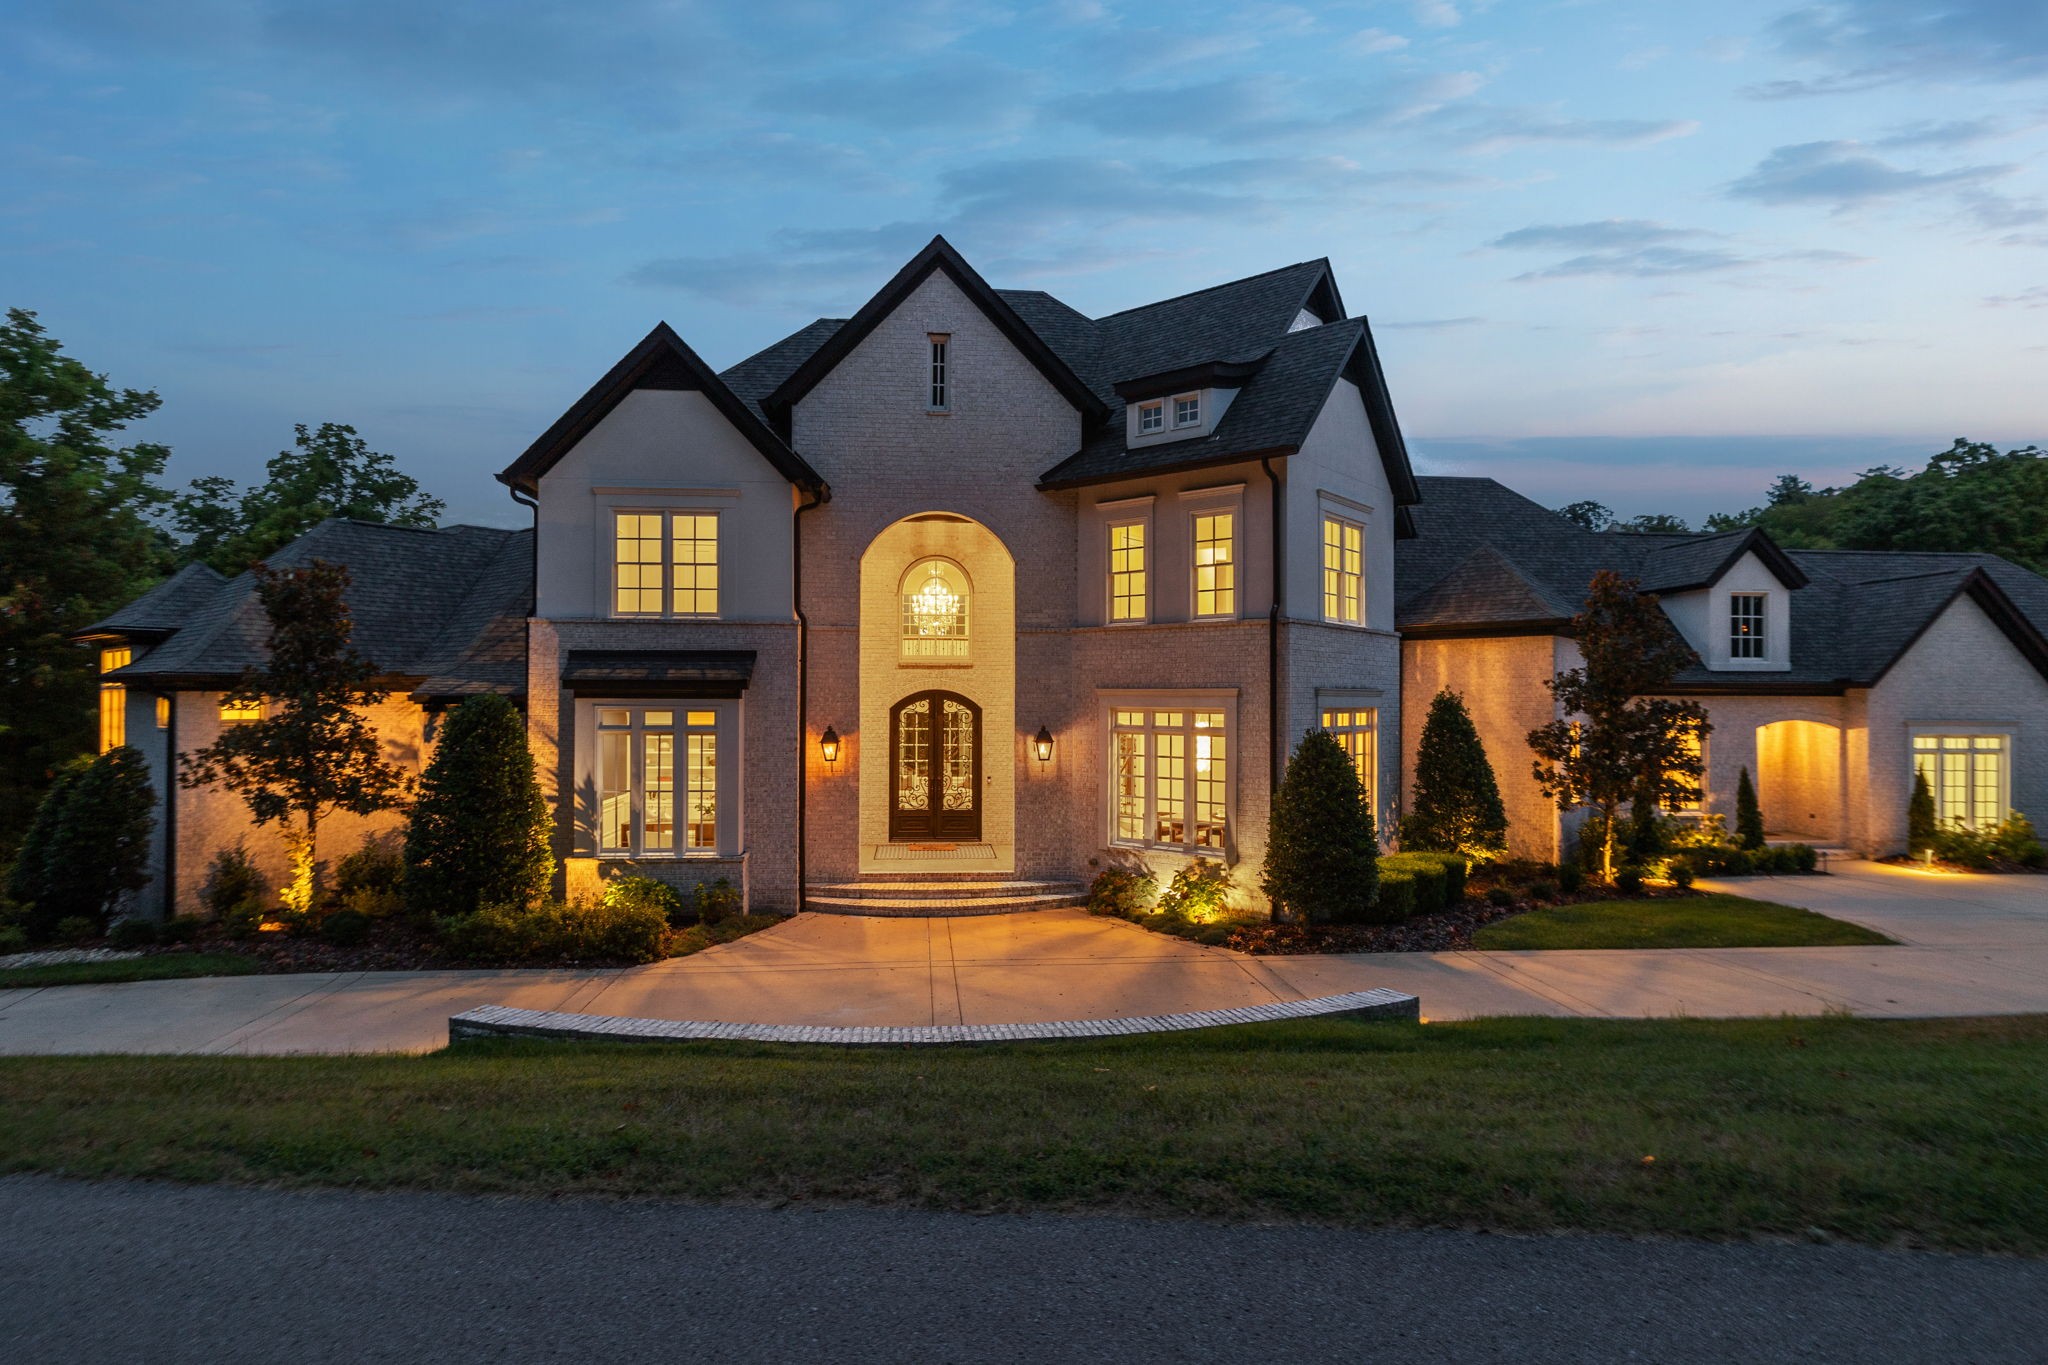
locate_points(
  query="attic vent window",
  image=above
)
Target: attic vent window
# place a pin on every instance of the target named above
(1187, 410)
(1151, 417)
(941, 342)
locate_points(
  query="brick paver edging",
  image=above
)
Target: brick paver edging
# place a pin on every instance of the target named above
(503, 1021)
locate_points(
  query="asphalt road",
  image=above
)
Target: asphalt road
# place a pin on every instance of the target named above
(161, 1273)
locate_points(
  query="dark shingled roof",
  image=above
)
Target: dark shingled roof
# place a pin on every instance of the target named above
(761, 373)
(444, 606)
(1487, 560)
(163, 608)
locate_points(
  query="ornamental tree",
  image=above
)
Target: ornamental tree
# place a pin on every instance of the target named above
(1322, 858)
(480, 830)
(1749, 816)
(1456, 806)
(314, 753)
(1614, 741)
(1920, 818)
(88, 846)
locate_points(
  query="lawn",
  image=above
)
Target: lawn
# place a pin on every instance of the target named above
(1885, 1132)
(156, 967)
(1713, 921)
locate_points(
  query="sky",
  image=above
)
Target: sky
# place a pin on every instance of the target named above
(1648, 253)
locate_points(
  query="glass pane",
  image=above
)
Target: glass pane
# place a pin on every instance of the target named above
(703, 791)
(615, 791)
(636, 556)
(658, 718)
(1166, 718)
(618, 716)
(1210, 801)
(113, 716)
(958, 737)
(1130, 786)
(914, 756)
(694, 537)
(658, 804)
(1130, 718)
(1170, 788)
(1215, 573)
(702, 718)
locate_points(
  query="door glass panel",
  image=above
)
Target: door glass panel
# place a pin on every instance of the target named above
(959, 758)
(914, 756)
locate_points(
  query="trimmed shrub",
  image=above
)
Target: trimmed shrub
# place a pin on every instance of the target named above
(1200, 891)
(716, 901)
(179, 929)
(26, 878)
(1499, 896)
(1628, 879)
(1455, 867)
(232, 882)
(1456, 806)
(1749, 817)
(1920, 823)
(2011, 841)
(1397, 897)
(1125, 892)
(1543, 891)
(1429, 877)
(91, 843)
(652, 894)
(1570, 878)
(132, 933)
(480, 834)
(1681, 873)
(553, 930)
(345, 928)
(75, 929)
(1322, 858)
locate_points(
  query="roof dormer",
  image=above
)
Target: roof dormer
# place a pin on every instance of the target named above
(1182, 404)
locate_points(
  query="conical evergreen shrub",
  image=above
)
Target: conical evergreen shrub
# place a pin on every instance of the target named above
(1456, 806)
(481, 833)
(1920, 822)
(1749, 817)
(1322, 857)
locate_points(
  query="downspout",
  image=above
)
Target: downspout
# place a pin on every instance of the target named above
(171, 810)
(562, 844)
(803, 688)
(1276, 755)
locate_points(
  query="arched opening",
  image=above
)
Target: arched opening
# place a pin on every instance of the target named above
(937, 600)
(1799, 779)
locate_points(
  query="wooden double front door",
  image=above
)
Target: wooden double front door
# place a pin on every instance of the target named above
(935, 768)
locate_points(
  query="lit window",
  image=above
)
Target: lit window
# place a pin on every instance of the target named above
(665, 563)
(1127, 571)
(935, 601)
(1746, 625)
(235, 710)
(1187, 410)
(163, 713)
(940, 343)
(1343, 571)
(1357, 732)
(1968, 776)
(1692, 748)
(113, 700)
(1151, 417)
(648, 760)
(1215, 565)
(1171, 778)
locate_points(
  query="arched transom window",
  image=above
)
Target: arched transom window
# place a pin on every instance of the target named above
(935, 598)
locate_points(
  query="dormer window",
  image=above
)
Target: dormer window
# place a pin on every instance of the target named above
(1151, 417)
(939, 400)
(1746, 625)
(1187, 410)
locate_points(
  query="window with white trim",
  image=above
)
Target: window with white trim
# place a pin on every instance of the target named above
(657, 779)
(1215, 550)
(1357, 732)
(1129, 572)
(1969, 776)
(665, 563)
(1343, 571)
(940, 399)
(1187, 410)
(114, 700)
(936, 595)
(1746, 625)
(1170, 772)
(1152, 417)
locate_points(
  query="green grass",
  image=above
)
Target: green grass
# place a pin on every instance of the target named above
(157, 967)
(1714, 921)
(1886, 1132)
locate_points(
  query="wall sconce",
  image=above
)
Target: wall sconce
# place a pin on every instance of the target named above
(1043, 743)
(828, 746)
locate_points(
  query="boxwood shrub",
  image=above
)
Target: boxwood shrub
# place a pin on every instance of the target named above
(1397, 896)
(1426, 872)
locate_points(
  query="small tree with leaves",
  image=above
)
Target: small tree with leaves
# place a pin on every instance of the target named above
(88, 846)
(1749, 816)
(1322, 857)
(1614, 741)
(1920, 818)
(480, 829)
(1455, 805)
(314, 753)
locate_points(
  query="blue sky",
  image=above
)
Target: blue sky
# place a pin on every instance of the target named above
(1651, 253)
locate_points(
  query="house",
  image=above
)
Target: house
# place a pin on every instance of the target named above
(937, 605)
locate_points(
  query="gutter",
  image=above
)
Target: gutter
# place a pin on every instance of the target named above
(171, 811)
(532, 503)
(803, 685)
(1276, 756)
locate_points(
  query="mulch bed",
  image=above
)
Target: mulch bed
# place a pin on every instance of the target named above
(392, 947)
(1447, 930)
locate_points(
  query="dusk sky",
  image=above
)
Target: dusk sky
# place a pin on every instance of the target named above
(1650, 253)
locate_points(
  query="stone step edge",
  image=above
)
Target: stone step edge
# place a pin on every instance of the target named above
(965, 888)
(505, 1021)
(1039, 898)
(931, 910)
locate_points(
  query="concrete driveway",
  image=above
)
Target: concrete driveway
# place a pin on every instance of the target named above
(1971, 945)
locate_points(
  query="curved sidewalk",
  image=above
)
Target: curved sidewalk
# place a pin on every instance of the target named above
(1976, 945)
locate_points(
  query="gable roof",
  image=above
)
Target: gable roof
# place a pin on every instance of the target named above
(1688, 563)
(662, 360)
(938, 255)
(162, 609)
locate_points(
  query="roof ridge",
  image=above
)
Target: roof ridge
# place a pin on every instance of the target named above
(1210, 289)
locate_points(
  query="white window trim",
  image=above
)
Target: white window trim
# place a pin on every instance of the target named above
(1765, 630)
(2007, 732)
(730, 730)
(1110, 524)
(1174, 414)
(1224, 699)
(1322, 525)
(1199, 502)
(1157, 405)
(608, 551)
(1362, 699)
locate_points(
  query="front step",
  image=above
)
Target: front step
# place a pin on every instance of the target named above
(925, 896)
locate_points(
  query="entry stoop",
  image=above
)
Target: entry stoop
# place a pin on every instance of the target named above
(923, 895)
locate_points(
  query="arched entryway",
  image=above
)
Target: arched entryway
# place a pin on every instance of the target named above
(935, 768)
(1799, 779)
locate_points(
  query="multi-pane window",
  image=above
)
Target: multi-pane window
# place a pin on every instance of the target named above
(113, 700)
(233, 711)
(1171, 778)
(1967, 774)
(1187, 410)
(1693, 749)
(1151, 417)
(941, 343)
(665, 563)
(1127, 571)
(163, 713)
(1343, 571)
(1746, 625)
(657, 780)
(935, 601)
(1357, 732)
(1215, 564)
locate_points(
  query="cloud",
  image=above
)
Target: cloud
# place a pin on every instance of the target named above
(1498, 128)
(1369, 41)
(1650, 262)
(1956, 133)
(1262, 109)
(2036, 297)
(1870, 43)
(1436, 13)
(1607, 234)
(1429, 324)
(955, 93)
(1843, 175)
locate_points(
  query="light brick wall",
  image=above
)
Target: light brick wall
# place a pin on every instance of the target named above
(1317, 658)
(1502, 680)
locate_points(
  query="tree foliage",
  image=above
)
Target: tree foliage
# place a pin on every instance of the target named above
(1598, 516)
(1456, 807)
(1322, 856)
(332, 472)
(314, 753)
(1749, 816)
(76, 541)
(1613, 741)
(89, 842)
(1921, 828)
(480, 830)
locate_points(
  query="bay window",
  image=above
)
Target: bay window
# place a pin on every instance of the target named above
(1357, 732)
(1170, 777)
(657, 779)
(1969, 774)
